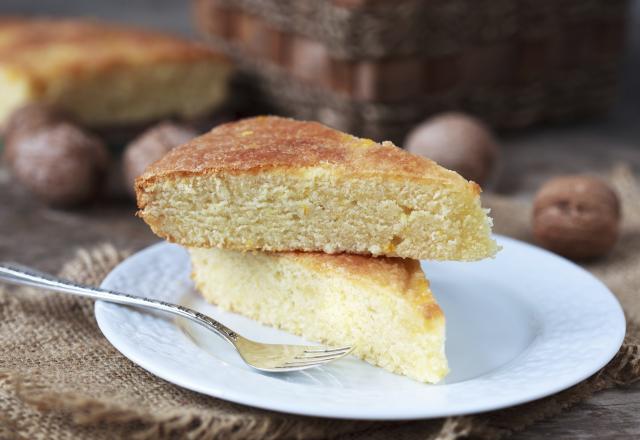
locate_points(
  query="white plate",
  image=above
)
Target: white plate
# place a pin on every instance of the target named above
(519, 327)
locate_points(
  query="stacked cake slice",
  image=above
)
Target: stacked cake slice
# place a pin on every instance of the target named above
(318, 232)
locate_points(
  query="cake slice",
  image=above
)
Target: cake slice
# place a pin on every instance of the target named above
(106, 75)
(382, 306)
(276, 184)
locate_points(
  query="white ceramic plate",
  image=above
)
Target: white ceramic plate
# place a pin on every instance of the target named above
(519, 327)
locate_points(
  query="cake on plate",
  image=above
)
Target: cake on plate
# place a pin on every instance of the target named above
(381, 306)
(106, 75)
(277, 184)
(311, 230)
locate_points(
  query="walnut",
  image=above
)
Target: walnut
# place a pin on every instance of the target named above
(61, 164)
(577, 217)
(458, 142)
(26, 120)
(151, 146)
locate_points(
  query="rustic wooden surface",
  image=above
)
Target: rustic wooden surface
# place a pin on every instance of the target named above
(33, 234)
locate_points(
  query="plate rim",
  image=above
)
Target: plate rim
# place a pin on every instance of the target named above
(231, 395)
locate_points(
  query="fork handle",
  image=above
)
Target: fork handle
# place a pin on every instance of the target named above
(26, 276)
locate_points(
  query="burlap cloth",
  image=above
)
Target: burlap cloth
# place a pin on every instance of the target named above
(61, 379)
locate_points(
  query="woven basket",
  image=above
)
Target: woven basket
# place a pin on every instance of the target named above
(377, 67)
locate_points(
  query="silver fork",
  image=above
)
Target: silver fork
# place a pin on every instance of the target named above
(265, 357)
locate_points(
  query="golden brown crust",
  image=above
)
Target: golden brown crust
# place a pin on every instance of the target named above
(274, 142)
(43, 46)
(396, 274)
(380, 270)
(270, 142)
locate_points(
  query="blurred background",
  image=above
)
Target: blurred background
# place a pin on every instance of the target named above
(511, 96)
(586, 132)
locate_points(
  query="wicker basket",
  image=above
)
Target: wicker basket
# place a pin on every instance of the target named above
(377, 67)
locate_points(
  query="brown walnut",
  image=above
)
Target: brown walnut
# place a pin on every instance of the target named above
(577, 217)
(61, 164)
(458, 142)
(26, 120)
(151, 146)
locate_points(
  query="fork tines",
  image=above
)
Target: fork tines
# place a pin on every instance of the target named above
(312, 356)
